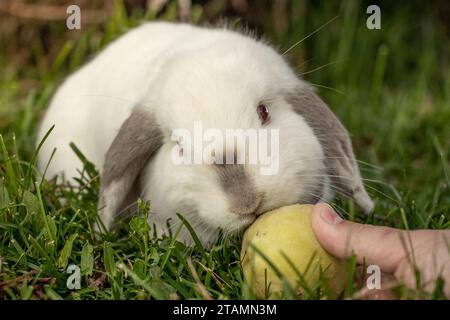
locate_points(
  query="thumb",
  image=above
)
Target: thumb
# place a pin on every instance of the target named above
(373, 244)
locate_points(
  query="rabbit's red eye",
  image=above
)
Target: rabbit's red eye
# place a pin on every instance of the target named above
(263, 113)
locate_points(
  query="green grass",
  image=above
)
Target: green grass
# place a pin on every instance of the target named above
(389, 87)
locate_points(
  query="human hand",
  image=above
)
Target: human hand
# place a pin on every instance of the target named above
(395, 251)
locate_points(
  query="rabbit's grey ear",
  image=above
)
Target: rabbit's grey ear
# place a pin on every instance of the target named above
(340, 162)
(137, 140)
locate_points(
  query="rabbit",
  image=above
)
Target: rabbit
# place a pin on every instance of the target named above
(122, 107)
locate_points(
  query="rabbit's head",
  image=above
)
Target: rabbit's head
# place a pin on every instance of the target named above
(228, 133)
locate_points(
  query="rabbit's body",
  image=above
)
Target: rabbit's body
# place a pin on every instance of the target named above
(122, 108)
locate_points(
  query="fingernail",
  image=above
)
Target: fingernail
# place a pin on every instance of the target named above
(329, 215)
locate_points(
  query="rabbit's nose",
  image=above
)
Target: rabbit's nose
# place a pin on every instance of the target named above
(239, 188)
(247, 204)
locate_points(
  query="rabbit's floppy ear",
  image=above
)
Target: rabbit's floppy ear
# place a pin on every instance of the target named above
(138, 139)
(340, 162)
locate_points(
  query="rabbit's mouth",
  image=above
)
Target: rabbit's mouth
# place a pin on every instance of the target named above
(247, 219)
(240, 223)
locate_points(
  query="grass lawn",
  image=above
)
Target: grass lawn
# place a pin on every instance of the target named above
(390, 88)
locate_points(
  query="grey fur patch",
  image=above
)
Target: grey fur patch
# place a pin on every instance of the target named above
(340, 162)
(138, 139)
(239, 188)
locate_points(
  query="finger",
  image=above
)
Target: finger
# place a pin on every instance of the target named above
(383, 292)
(371, 244)
(431, 257)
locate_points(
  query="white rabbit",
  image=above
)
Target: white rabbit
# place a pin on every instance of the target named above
(122, 107)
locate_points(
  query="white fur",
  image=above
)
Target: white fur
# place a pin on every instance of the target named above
(183, 73)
